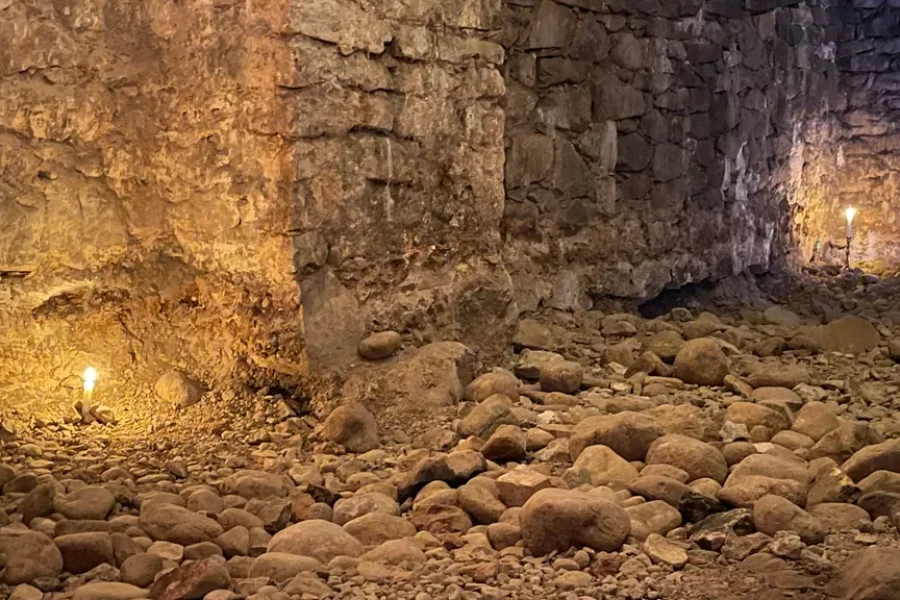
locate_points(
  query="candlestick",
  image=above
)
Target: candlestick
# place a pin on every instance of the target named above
(90, 381)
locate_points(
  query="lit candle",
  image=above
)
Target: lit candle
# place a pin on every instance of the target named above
(90, 380)
(850, 213)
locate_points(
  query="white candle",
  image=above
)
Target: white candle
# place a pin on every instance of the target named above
(90, 380)
(850, 213)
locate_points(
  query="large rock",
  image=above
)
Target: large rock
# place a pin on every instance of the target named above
(698, 459)
(481, 502)
(556, 519)
(880, 457)
(815, 420)
(841, 443)
(653, 517)
(628, 434)
(701, 361)
(353, 427)
(837, 516)
(176, 524)
(82, 552)
(871, 574)
(108, 590)
(755, 415)
(38, 503)
(415, 385)
(347, 509)
(280, 566)
(29, 556)
(191, 581)
(562, 377)
(599, 465)
(772, 514)
(779, 375)
(487, 416)
(849, 334)
(256, 484)
(507, 443)
(665, 344)
(520, 484)
(141, 569)
(759, 475)
(316, 538)
(498, 381)
(375, 528)
(89, 503)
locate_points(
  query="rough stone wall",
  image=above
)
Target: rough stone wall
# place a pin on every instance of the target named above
(144, 192)
(399, 172)
(242, 189)
(650, 143)
(853, 157)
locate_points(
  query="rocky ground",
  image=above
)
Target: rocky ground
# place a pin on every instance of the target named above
(713, 452)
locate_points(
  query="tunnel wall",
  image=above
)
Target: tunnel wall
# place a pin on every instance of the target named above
(853, 156)
(650, 144)
(243, 190)
(144, 195)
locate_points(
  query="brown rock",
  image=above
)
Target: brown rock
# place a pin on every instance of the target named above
(560, 519)
(879, 457)
(353, 427)
(379, 346)
(562, 377)
(702, 362)
(191, 581)
(318, 539)
(696, 458)
(815, 420)
(653, 517)
(82, 552)
(753, 415)
(871, 574)
(29, 556)
(772, 514)
(628, 434)
(498, 381)
(520, 484)
(599, 465)
(507, 443)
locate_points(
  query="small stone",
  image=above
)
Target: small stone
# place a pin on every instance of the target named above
(661, 550)
(141, 569)
(353, 427)
(178, 389)
(379, 346)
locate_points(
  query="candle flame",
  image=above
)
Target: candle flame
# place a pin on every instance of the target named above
(90, 378)
(850, 213)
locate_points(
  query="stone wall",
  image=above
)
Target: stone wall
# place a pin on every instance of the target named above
(399, 173)
(144, 192)
(650, 143)
(242, 190)
(853, 157)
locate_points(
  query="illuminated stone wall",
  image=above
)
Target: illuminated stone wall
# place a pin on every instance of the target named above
(241, 190)
(853, 155)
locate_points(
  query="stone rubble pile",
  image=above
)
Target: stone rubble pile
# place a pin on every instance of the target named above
(615, 457)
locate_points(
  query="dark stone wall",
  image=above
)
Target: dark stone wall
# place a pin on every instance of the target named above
(650, 144)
